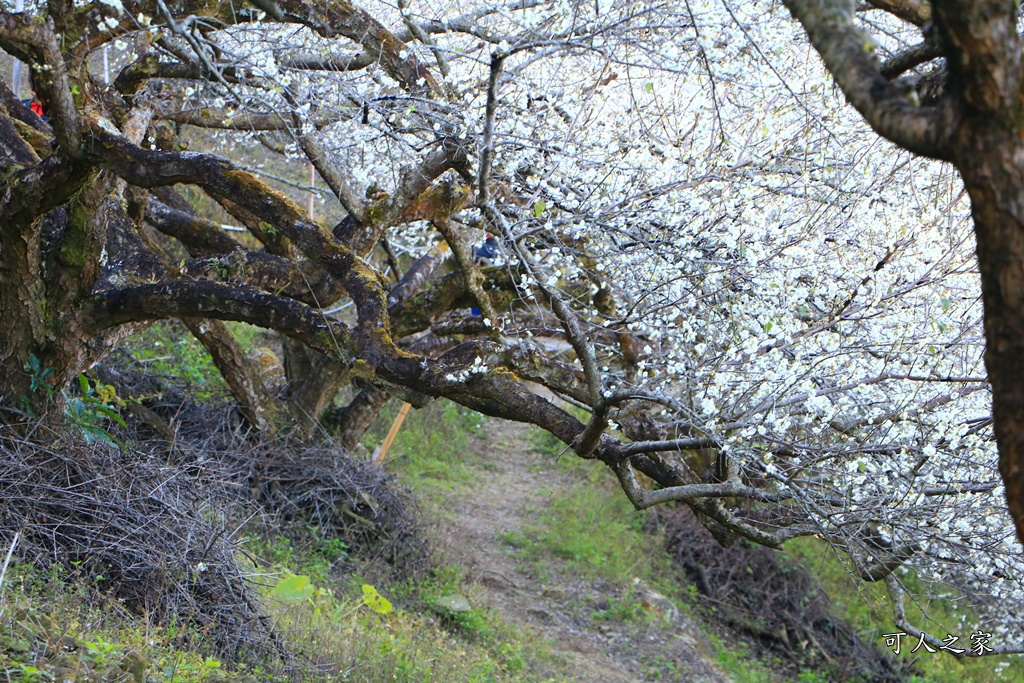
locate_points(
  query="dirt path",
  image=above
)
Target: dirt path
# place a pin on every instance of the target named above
(514, 483)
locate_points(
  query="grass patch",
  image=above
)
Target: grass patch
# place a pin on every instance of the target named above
(316, 559)
(167, 349)
(432, 451)
(55, 628)
(736, 662)
(595, 531)
(414, 642)
(590, 524)
(477, 625)
(354, 643)
(867, 607)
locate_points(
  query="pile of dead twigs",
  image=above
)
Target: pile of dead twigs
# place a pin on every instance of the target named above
(138, 530)
(777, 605)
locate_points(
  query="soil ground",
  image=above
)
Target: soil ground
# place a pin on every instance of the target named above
(513, 485)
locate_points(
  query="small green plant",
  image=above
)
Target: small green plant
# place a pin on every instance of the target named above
(278, 551)
(184, 670)
(734, 660)
(38, 376)
(626, 608)
(96, 403)
(87, 411)
(375, 601)
(293, 588)
(330, 549)
(31, 674)
(99, 649)
(313, 555)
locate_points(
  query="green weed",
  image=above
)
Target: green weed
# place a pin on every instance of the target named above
(53, 627)
(597, 532)
(167, 349)
(349, 632)
(432, 450)
(867, 608)
(386, 632)
(735, 661)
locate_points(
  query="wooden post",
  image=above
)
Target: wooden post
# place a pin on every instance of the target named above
(382, 450)
(19, 6)
(312, 180)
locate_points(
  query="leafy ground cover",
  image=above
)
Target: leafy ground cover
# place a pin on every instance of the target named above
(52, 628)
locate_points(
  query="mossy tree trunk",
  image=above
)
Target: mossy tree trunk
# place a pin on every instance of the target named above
(45, 265)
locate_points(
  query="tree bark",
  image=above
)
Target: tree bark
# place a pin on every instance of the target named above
(260, 408)
(350, 422)
(990, 158)
(34, 324)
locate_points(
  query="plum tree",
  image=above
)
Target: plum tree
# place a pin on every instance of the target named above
(766, 306)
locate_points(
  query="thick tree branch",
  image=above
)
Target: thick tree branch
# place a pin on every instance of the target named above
(686, 493)
(17, 110)
(265, 231)
(416, 312)
(54, 81)
(690, 444)
(314, 394)
(217, 301)
(32, 192)
(463, 253)
(200, 237)
(299, 280)
(350, 422)
(420, 273)
(910, 58)
(260, 408)
(15, 152)
(222, 180)
(849, 55)
(985, 48)
(917, 12)
(353, 61)
(409, 202)
(221, 119)
(341, 17)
